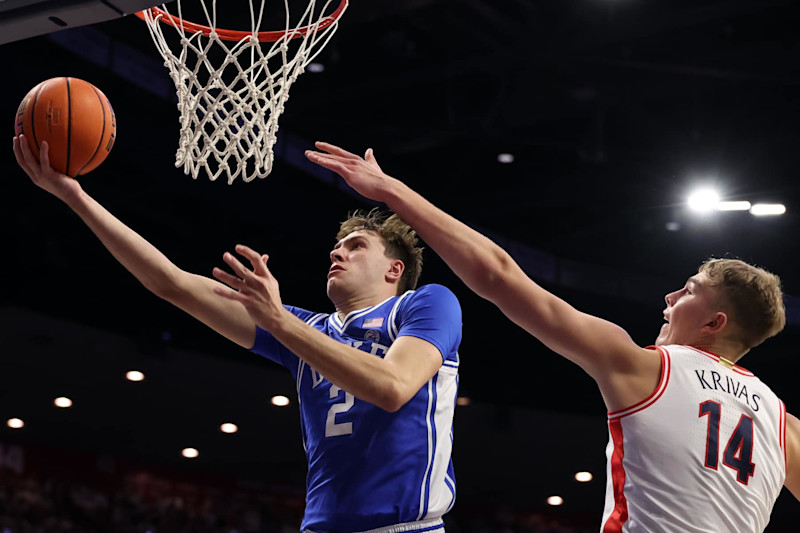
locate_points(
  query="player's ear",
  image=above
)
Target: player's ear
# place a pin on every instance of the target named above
(717, 323)
(395, 271)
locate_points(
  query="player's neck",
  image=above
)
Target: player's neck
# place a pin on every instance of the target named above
(724, 348)
(359, 302)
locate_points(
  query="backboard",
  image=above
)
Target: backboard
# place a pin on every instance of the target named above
(20, 19)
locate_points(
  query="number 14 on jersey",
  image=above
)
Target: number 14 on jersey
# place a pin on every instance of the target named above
(738, 452)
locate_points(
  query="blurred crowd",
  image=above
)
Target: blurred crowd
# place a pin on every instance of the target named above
(31, 504)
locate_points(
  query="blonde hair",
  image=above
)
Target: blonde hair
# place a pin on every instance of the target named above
(399, 239)
(752, 295)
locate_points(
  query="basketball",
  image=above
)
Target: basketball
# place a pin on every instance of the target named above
(76, 120)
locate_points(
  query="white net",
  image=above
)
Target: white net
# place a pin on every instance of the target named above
(232, 93)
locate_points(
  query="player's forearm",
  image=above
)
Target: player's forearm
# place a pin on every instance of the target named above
(365, 376)
(479, 262)
(138, 256)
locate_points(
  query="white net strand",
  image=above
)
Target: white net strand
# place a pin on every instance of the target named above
(230, 127)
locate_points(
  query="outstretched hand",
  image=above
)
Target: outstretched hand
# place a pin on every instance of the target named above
(40, 172)
(256, 289)
(362, 174)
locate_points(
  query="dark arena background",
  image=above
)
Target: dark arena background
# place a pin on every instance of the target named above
(608, 114)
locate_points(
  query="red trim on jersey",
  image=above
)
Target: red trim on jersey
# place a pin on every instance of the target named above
(736, 368)
(619, 515)
(666, 368)
(782, 433)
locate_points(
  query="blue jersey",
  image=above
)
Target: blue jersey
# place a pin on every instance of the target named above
(368, 468)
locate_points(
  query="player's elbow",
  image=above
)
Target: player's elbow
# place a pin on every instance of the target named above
(394, 398)
(167, 285)
(497, 270)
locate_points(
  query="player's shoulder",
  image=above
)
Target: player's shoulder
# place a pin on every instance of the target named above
(433, 289)
(432, 292)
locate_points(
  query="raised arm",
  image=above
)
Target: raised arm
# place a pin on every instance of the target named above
(190, 292)
(624, 372)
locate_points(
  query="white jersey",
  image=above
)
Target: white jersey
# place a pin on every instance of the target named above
(705, 453)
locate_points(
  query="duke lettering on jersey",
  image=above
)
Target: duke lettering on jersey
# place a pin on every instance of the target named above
(733, 387)
(704, 453)
(368, 468)
(370, 347)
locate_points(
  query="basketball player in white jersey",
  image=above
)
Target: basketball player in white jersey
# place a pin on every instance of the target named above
(376, 380)
(697, 444)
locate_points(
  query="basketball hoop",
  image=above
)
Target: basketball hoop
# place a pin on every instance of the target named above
(230, 104)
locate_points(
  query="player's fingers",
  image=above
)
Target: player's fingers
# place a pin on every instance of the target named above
(44, 155)
(333, 149)
(18, 154)
(246, 251)
(369, 157)
(238, 268)
(27, 154)
(254, 257)
(228, 293)
(227, 278)
(326, 161)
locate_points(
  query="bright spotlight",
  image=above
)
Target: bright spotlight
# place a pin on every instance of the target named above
(704, 200)
(134, 375)
(15, 423)
(228, 427)
(583, 477)
(280, 401)
(63, 402)
(765, 210)
(743, 205)
(555, 500)
(505, 158)
(190, 453)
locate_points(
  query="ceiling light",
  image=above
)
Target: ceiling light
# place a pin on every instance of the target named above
(315, 67)
(704, 200)
(228, 427)
(134, 375)
(15, 423)
(462, 400)
(763, 210)
(190, 453)
(555, 500)
(584, 477)
(280, 401)
(733, 206)
(63, 402)
(505, 158)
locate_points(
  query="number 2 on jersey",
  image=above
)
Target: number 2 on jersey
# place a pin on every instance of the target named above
(332, 429)
(739, 450)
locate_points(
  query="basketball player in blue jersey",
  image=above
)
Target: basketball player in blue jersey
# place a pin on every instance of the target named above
(376, 379)
(696, 443)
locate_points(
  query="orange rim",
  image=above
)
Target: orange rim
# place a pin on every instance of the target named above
(233, 35)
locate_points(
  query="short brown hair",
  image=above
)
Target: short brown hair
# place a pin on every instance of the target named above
(754, 297)
(398, 237)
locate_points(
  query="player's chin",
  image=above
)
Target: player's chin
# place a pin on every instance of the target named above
(332, 287)
(661, 340)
